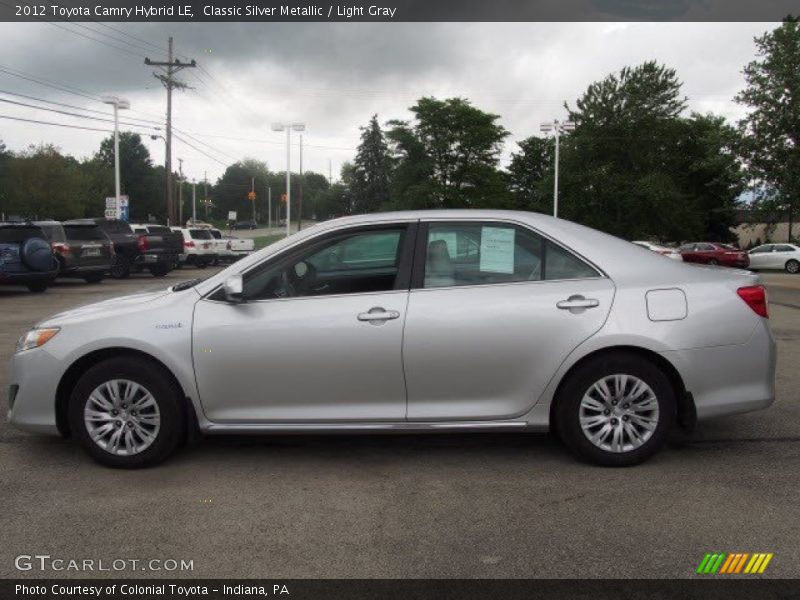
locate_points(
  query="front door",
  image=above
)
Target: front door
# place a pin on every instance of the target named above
(494, 310)
(319, 337)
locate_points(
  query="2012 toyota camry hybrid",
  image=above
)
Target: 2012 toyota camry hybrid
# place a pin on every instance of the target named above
(425, 321)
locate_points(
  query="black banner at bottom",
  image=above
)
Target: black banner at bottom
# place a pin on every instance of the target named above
(731, 588)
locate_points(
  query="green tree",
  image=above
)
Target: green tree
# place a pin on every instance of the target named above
(138, 177)
(42, 183)
(530, 175)
(771, 141)
(448, 157)
(372, 170)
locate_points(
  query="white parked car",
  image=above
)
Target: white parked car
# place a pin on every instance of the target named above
(663, 250)
(199, 246)
(783, 257)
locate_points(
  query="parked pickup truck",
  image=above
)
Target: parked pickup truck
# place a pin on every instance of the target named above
(229, 248)
(26, 257)
(156, 252)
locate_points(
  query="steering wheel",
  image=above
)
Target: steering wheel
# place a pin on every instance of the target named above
(302, 278)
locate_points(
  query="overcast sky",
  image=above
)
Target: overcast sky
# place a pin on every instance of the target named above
(334, 76)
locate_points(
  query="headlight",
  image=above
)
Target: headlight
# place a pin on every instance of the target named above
(36, 338)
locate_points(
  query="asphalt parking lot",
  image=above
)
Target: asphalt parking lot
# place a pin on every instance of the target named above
(478, 505)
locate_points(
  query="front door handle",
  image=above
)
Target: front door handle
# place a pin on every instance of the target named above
(577, 303)
(378, 314)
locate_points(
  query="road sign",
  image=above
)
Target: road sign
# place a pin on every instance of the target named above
(231, 215)
(114, 211)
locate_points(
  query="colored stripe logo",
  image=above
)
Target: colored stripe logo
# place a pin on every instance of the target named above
(734, 563)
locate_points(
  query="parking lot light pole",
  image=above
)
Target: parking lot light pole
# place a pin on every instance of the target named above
(288, 127)
(118, 104)
(194, 202)
(557, 127)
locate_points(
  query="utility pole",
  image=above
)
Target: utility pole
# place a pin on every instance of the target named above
(205, 192)
(171, 67)
(269, 207)
(194, 202)
(330, 172)
(180, 192)
(253, 192)
(300, 191)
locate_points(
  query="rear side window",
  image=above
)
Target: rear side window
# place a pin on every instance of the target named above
(783, 248)
(158, 229)
(484, 253)
(200, 234)
(216, 234)
(54, 233)
(84, 233)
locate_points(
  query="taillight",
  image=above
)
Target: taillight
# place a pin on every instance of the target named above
(188, 244)
(142, 243)
(756, 298)
(228, 246)
(60, 247)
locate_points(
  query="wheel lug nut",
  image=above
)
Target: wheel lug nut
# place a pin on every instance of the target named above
(118, 423)
(614, 402)
(625, 418)
(606, 412)
(130, 425)
(124, 406)
(626, 405)
(613, 421)
(115, 412)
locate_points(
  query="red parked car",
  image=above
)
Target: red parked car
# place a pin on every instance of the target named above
(709, 253)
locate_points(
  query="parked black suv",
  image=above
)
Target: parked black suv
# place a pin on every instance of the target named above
(26, 257)
(81, 248)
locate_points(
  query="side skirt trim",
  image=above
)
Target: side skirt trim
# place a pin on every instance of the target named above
(398, 427)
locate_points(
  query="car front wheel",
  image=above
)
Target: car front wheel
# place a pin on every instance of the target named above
(126, 413)
(616, 410)
(793, 267)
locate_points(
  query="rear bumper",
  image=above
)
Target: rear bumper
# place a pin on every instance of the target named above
(152, 259)
(26, 278)
(728, 380)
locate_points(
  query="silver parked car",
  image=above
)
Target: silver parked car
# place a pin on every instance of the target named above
(418, 322)
(783, 257)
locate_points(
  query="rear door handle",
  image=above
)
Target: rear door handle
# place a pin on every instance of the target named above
(577, 302)
(378, 314)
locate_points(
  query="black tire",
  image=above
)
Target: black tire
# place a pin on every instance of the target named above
(94, 278)
(567, 409)
(121, 267)
(713, 262)
(792, 267)
(38, 287)
(201, 264)
(158, 382)
(159, 270)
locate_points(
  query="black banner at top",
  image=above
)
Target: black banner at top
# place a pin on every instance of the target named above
(396, 10)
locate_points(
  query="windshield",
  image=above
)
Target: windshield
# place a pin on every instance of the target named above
(200, 234)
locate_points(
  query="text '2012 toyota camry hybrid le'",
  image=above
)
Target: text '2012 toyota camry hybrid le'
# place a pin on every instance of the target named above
(416, 322)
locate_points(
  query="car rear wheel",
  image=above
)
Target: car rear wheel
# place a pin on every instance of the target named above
(792, 266)
(120, 268)
(126, 413)
(93, 278)
(37, 288)
(713, 262)
(159, 270)
(616, 410)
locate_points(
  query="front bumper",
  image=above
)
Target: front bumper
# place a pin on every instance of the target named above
(33, 381)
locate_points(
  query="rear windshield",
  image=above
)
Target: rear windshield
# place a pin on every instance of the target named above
(18, 234)
(54, 232)
(200, 234)
(158, 229)
(84, 233)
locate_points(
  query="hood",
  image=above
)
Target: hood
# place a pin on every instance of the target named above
(106, 308)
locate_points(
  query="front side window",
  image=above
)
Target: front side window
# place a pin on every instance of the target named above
(351, 263)
(484, 253)
(783, 248)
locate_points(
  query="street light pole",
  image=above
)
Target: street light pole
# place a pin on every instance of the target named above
(180, 192)
(194, 202)
(117, 103)
(288, 127)
(557, 127)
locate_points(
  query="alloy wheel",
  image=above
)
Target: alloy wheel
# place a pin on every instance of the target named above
(122, 417)
(619, 413)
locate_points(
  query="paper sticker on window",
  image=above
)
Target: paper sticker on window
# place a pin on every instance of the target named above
(497, 250)
(449, 238)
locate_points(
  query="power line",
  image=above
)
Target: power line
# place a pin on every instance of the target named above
(64, 112)
(54, 124)
(179, 138)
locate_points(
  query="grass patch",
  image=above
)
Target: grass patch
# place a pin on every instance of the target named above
(265, 240)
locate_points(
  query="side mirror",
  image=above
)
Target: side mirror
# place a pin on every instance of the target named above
(234, 287)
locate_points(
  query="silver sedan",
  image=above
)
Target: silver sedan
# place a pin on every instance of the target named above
(430, 321)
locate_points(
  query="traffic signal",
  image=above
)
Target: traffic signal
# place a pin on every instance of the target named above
(251, 195)
(283, 198)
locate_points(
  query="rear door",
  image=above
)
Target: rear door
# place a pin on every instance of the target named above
(494, 310)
